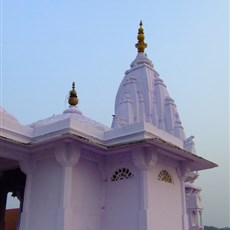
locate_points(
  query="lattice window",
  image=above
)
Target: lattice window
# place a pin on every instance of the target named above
(121, 174)
(165, 176)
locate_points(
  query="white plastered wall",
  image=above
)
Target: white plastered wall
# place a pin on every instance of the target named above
(87, 194)
(44, 195)
(165, 199)
(122, 196)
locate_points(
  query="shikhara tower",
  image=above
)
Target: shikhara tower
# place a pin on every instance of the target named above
(143, 97)
(71, 172)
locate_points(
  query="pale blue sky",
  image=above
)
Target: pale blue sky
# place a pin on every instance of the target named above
(46, 45)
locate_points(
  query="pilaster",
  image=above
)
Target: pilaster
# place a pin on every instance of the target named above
(144, 159)
(27, 166)
(183, 172)
(103, 172)
(67, 155)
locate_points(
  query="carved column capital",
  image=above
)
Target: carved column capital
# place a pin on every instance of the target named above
(184, 171)
(67, 154)
(28, 165)
(144, 158)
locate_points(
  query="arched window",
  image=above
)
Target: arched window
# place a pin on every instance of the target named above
(121, 174)
(165, 176)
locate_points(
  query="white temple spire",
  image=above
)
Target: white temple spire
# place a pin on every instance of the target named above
(148, 99)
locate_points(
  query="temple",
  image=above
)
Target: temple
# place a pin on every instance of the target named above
(70, 172)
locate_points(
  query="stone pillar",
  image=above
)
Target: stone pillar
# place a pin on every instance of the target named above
(27, 166)
(144, 159)
(184, 214)
(143, 211)
(67, 155)
(183, 173)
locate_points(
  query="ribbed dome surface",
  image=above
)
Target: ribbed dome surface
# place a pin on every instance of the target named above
(143, 97)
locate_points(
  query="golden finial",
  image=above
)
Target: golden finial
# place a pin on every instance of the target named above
(73, 100)
(141, 45)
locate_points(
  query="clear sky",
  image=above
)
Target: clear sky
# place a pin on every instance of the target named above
(46, 45)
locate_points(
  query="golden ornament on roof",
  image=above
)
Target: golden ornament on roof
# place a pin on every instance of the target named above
(73, 100)
(141, 45)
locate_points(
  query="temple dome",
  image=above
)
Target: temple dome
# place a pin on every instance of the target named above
(12, 129)
(71, 113)
(71, 120)
(143, 97)
(5, 116)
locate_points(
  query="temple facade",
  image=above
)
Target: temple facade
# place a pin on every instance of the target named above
(70, 172)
